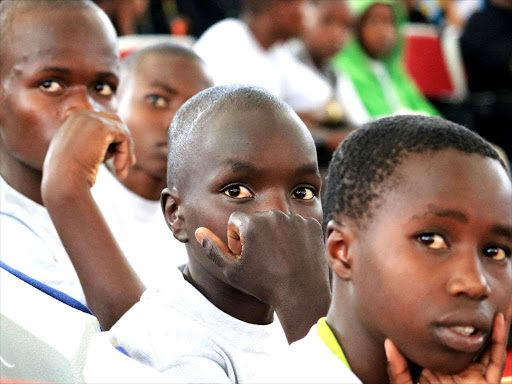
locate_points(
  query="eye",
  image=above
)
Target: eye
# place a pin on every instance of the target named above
(432, 240)
(158, 101)
(237, 191)
(50, 86)
(104, 89)
(496, 253)
(303, 193)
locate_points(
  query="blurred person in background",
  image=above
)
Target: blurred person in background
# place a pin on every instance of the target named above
(373, 60)
(486, 46)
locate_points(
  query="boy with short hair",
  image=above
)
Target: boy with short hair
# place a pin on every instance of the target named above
(231, 148)
(58, 72)
(154, 82)
(418, 224)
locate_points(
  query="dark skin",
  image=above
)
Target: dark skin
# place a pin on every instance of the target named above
(149, 96)
(377, 31)
(448, 225)
(330, 32)
(42, 83)
(58, 86)
(281, 20)
(267, 163)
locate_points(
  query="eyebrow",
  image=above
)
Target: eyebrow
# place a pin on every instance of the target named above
(445, 213)
(502, 230)
(238, 166)
(165, 87)
(64, 71)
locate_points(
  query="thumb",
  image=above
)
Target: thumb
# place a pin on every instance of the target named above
(216, 250)
(398, 369)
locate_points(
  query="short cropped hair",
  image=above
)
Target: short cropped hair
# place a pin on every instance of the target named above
(255, 6)
(10, 8)
(168, 48)
(192, 115)
(363, 166)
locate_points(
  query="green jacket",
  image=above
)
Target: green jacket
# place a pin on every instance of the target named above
(354, 62)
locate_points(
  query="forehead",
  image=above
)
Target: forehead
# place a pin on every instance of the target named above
(470, 183)
(38, 37)
(268, 139)
(175, 71)
(380, 11)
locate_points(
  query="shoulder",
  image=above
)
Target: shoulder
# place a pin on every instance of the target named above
(310, 360)
(164, 336)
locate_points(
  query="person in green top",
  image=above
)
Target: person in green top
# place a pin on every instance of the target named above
(373, 60)
(418, 226)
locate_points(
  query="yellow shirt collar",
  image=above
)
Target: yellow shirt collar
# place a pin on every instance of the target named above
(328, 337)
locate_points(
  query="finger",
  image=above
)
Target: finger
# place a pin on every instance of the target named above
(398, 369)
(216, 250)
(498, 354)
(429, 377)
(236, 239)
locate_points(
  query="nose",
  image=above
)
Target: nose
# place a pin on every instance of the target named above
(277, 202)
(468, 278)
(79, 99)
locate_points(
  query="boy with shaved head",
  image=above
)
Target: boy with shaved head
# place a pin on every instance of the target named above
(154, 82)
(238, 157)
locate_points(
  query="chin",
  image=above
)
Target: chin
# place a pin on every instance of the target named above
(452, 364)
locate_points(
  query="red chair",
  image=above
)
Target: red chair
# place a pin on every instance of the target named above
(434, 62)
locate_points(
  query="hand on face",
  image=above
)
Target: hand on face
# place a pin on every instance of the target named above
(270, 255)
(488, 369)
(84, 141)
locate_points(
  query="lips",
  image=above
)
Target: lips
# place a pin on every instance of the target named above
(463, 332)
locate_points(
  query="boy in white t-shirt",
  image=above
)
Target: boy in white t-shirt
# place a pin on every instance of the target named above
(154, 82)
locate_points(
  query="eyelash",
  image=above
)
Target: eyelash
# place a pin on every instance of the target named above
(110, 85)
(422, 237)
(227, 188)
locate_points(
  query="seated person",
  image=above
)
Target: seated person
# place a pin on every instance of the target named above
(329, 117)
(486, 45)
(373, 61)
(233, 169)
(250, 50)
(154, 82)
(55, 75)
(420, 251)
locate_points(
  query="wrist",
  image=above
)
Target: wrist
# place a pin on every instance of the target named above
(57, 190)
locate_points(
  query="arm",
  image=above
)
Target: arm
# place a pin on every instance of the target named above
(289, 251)
(110, 285)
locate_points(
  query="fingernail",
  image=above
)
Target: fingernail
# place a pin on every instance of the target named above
(200, 238)
(386, 346)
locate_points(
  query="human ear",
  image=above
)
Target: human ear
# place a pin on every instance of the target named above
(173, 212)
(337, 246)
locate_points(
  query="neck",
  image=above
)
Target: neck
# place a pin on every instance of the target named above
(228, 299)
(24, 179)
(262, 30)
(364, 353)
(140, 182)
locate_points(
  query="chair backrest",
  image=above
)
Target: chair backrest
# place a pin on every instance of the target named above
(425, 61)
(43, 338)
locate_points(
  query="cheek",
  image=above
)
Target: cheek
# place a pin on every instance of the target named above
(29, 126)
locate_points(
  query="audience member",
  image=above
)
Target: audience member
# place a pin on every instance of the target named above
(440, 197)
(56, 75)
(155, 81)
(333, 119)
(232, 148)
(487, 51)
(373, 60)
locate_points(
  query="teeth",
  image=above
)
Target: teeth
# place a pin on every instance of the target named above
(466, 331)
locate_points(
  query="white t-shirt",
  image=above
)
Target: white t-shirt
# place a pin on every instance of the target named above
(179, 332)
(310, 361)
(234, 56)
(144, 236)
(30, 243)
